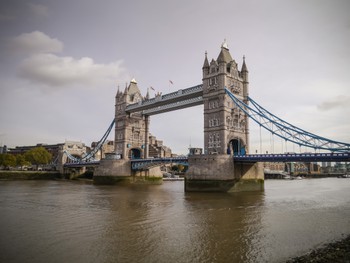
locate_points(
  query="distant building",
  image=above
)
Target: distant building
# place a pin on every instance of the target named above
(107, 148)
(195, 151)
(3, 149)
(274, 166)
(157, 149)
(76, 149)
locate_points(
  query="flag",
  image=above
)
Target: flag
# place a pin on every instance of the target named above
(152, 88)
(171, 82)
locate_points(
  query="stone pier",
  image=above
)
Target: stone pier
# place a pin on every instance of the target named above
(111, 171)
(218, 173)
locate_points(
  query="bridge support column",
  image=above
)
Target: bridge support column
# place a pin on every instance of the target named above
(218, 173)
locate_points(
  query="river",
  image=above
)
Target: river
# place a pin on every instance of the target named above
(70, 221)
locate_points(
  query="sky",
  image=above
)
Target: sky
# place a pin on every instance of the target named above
(61, 63)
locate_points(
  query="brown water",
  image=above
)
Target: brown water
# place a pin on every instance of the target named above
(65, 221)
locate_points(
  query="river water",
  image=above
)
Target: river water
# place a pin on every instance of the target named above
(66, 221)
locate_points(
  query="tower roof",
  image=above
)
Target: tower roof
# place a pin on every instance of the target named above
(224, 55)
(133, 88)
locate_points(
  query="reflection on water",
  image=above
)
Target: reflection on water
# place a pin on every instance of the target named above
(62, 221)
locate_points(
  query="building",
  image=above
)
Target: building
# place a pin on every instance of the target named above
(195, 151)
(157, 149)
(3, 149)
(107, 148)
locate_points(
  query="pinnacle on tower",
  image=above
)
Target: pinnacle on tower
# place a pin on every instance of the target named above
(118, 91)
(206, 62)
(126, 88)
(244, 66)
(147, 95)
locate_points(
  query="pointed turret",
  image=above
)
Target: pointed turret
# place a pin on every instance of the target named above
(205, 67)
(244, 66)
(118, 92)
(245, 73)
(126, 88)
(147, 95)
(206, 62)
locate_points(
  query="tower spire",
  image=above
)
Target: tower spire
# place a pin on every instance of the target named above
(244, 66)
(206, 62)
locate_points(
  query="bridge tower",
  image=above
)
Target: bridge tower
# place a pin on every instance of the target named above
(226, 131)
(225, 125)
(131, 129)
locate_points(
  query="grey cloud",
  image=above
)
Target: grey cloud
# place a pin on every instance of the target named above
(337, 102)
(6, 17)
(38, 9)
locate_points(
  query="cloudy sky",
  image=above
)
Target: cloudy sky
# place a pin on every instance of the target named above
(62, 62)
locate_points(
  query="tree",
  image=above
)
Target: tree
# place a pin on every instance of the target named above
(7, 160)
(37, 156)
(21, 161)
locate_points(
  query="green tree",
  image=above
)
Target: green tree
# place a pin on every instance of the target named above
(37, 156)
(21, 161)
(7, 160)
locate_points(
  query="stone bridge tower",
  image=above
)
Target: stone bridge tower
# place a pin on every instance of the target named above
(226, 128)
(131, 129)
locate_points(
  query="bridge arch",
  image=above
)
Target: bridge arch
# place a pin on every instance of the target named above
(135, 153)
(236, 146)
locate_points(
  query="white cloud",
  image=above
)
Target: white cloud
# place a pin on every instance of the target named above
(35, 42)
(52, 70)
(38, 9)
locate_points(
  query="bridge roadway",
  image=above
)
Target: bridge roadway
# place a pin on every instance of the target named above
(140, 164)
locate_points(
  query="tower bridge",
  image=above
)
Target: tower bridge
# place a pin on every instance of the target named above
(226, 164)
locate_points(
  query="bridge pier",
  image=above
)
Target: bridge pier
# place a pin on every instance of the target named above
(111, 171)
(73, 173)
(218, 173)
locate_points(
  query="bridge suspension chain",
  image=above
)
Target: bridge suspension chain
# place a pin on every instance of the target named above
(91, 154)
(285, 130)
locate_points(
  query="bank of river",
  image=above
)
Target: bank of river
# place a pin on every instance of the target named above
(28, 175)
(69, 221)
(336, 252)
